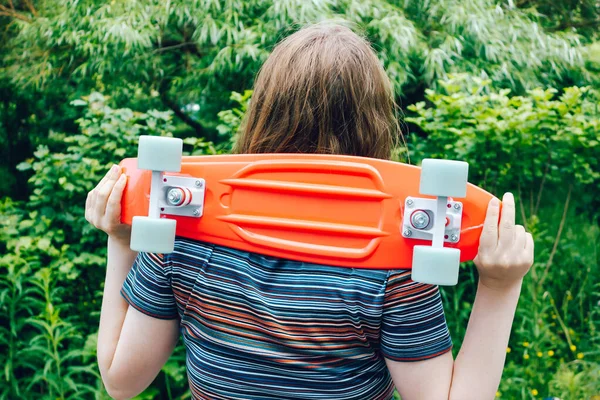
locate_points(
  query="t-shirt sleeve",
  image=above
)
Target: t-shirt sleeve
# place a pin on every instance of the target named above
(413, 325)
(147, 287)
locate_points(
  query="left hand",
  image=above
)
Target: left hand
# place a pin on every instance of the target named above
(103, 206)
(505, 249)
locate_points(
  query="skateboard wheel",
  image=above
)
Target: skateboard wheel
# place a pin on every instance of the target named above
(446, 178)
(435, 266)
(153, 235)
(156, 153)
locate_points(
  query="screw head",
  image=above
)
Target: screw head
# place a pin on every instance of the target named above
(456, 206)
(175, 196)
(409, 202)
(198, 183)
(196, 212)
(420, 219)
(407, 233)
(454, 238)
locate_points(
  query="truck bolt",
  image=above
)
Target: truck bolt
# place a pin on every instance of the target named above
(175, 196)
(420, 219)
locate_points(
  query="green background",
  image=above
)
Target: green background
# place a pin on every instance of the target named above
(508, 86)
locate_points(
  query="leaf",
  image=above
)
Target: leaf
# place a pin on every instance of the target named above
(79, 103)
(43, 244)
(24, 166)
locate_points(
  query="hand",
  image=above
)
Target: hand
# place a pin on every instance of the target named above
(103, 206)
(505, 249)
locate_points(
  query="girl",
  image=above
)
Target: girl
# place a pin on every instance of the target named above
(258, 327)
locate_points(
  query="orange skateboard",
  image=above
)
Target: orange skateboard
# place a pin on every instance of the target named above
(326, 209)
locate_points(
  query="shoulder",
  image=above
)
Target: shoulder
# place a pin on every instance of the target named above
(190, 248)
(401, 288)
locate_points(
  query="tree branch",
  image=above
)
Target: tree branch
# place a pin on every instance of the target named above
(583, 24)
(173, 106)
(173, 47)
(5, 11)
(31, 8)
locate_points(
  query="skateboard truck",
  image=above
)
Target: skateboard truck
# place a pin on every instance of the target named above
(438, 220)
(181, 196)
(419, 215)
(169, 194)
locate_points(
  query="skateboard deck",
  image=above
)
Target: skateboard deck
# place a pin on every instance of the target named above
(325, 209)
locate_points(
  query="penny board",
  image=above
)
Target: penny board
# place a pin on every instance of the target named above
(325, 209)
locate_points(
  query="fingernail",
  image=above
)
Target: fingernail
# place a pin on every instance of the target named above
(495, 202)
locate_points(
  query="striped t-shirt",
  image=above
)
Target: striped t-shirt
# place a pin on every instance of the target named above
(259, 327)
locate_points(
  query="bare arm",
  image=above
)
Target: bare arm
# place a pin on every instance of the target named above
(478, 367)
(132, 347)
(505, 256)
(479, 364)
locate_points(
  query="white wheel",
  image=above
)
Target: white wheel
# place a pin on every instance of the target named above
(446, 178)
(157, 153)
(435, 266)
(153, 235)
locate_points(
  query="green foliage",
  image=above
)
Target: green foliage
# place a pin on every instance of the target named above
(525, 118)
(231, 120)
(582, 16)
(205, 44)
(553, 349)
(53, 265)
(544, 147)
(188, 56)
(533, 144)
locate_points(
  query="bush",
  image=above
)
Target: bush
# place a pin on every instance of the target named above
(544, 148)
(53, 263)
(535, 145)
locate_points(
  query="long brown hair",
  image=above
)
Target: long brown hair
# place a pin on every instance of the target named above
(322, 90)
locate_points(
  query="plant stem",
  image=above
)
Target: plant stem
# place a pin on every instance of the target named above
(539, 197)
(558, 235)
(521, 206)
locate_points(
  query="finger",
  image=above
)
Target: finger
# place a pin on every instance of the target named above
(529, 247)
(112, 174)
(104, 191)
(520, 238)
(93, 196)
(506, 235)
(87, 206)
(489, 235)
(113, 206)
(105, 177)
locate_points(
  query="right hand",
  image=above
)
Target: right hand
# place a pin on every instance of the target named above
(103, 206)
(505, 249)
